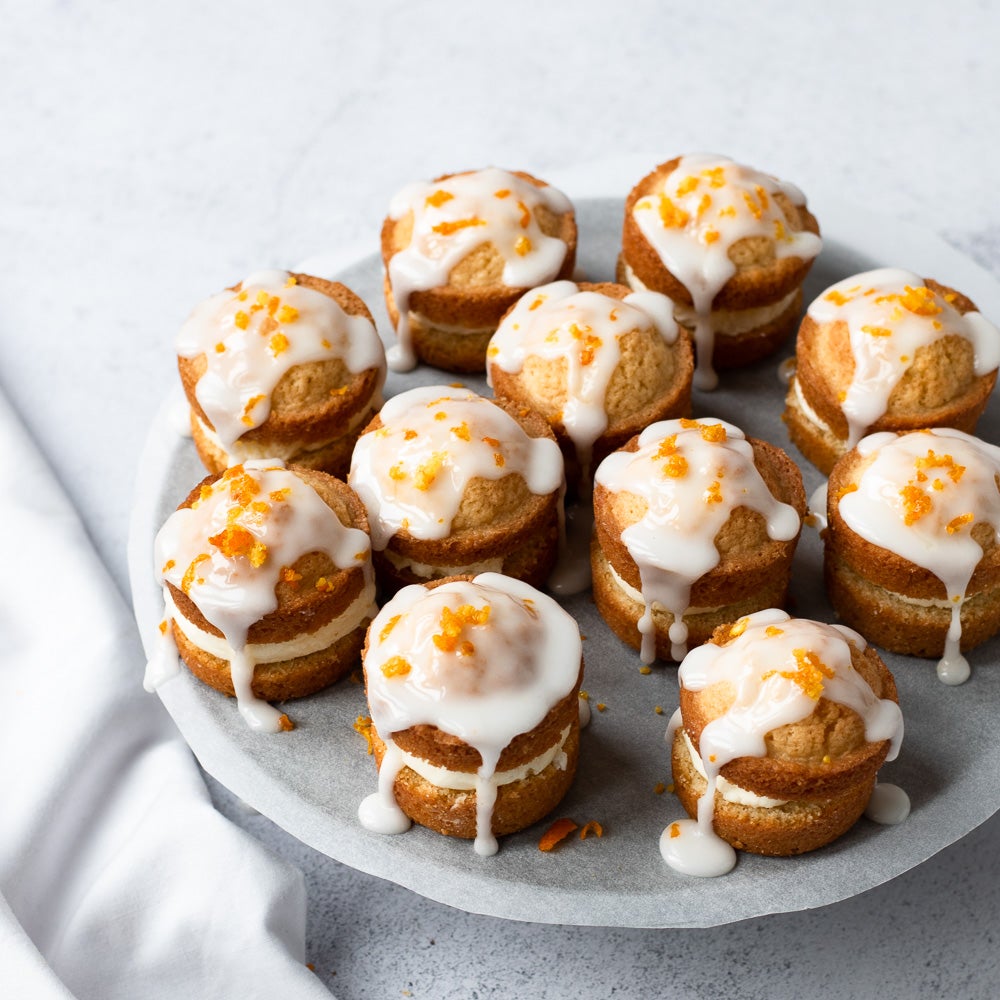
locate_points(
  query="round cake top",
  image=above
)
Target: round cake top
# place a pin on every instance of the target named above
(674, 498)
(476, 230)
(567, 340)
(252, 337)
(709, 217)
(230, 547)
(772, 686)
(891, 345)
(482, 659)
(439, 459)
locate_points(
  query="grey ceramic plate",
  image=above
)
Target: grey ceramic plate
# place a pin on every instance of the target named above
(310, 781)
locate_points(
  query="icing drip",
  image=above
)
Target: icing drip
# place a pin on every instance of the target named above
(252, 337)
(779, 667)
(817, 508)
(703, 208)
(890, 314)
(888, 805)
(230, 548)
(482, 660)
(571, 574)
(454, 216)
(413, 471)
(583, 328)
(920, 498)
(692, 475)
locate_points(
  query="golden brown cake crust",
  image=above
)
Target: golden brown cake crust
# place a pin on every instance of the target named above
(798, 826)
(496, 519)
(302, 610)
(753, 569)
(310, 407)
(939, 389)
(760, 278)
(475, 297)
(636, 397)
(866, 583)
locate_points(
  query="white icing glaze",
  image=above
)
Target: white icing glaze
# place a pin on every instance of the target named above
(584, 713)
(888, 805)
(252, 337)
(228, 550)
(584, 329)
(700, 211)
(483, 660)
(413, 471)
(727, 789)
(920, 498)
(453, 217)
(817, 507)
(779, 667)
(692, 475)
(890, 314)
(786, 371)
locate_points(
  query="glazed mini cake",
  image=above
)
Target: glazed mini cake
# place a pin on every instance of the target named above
(782, 727)
(459, 251)
(473, 690)
(912, 553)
(282, 366)
(599, 362)
(454, 483)
(730, 246)
(887, 351)
(268, 584)
(694, 525)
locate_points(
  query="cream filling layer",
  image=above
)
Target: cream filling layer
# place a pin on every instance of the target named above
(728, 322)
(427, 571)
(363, 606)
(629, 591)
(465, 781)
(419, 319)
(807, 411)
(730, 792)
(245, 451)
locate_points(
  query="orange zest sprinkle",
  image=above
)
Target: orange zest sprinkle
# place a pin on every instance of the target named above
(363, 726)
(779, 230)
(703, 207)
(675, 467)
(713, 494)
(278, 344)
(439, 198)
(250, 404)
(601, 706)
(916, 503)
(671, 215)
(525, 215)
(285, 724)
(388, 627)
(220, 348)
(492, 442)
(522, 246)
(289, 575)
(502, 193)
(163, 627)
(756, 209)
(279, 496)
(687, 185)
(452, 624)
(242, 296)
(409, 434)
(323, 585)
(534, 305)
(958, 523)
(710, 235)
(837, 298)
(772, 630)
(716, 176)
(876, 331)
(462, 432)
(450, 228)
(428, 471)
(168, 565)
(292, 280)
(591, 827)
(919, 300)
(658, 709)
(287, 314)
(189, 574)
(645, 670)
(440, 415)
(241, 319)
(739, 627)
(396, 666)
(675, 830)
(808, 674)
(659, 788)
(556, 833)
(235, 541)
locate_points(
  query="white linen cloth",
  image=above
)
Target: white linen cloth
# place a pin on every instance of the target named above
(118, 878)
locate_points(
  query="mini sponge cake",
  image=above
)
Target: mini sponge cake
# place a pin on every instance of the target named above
(694, 525)
(887, 351)
(473, 690)
(455, 483)
(730, 246)
(598, 362)
(268, 584)
(784, 723)
(282, 366)
(912, 557)
(459, 251)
